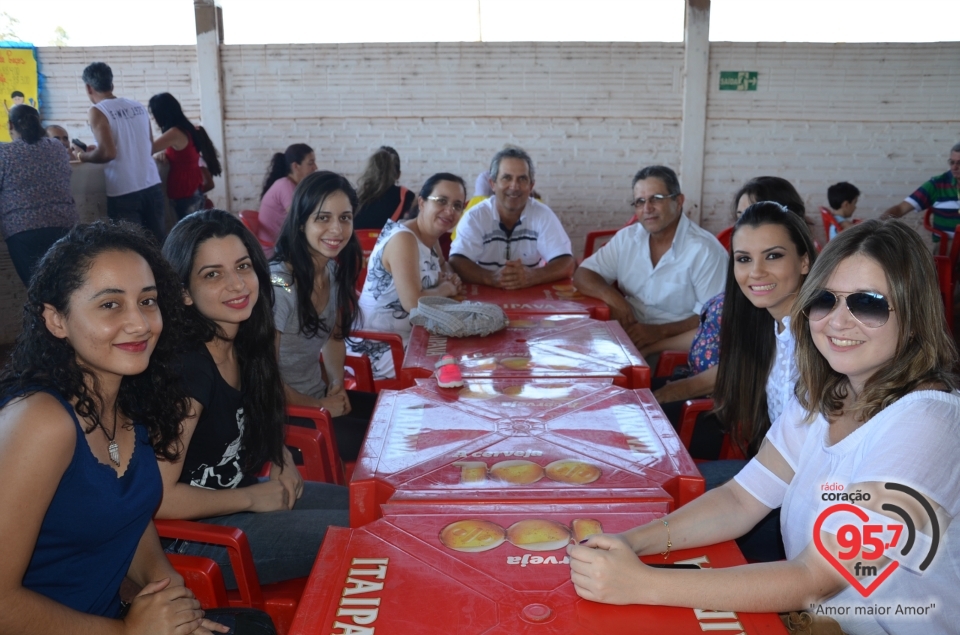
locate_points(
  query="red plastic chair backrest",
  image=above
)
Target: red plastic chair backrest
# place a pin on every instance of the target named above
(251, 218)
(724, 237)
(943, 246)
(828, 222)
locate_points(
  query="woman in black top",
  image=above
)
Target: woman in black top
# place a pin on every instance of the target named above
(238, 409)
(381, 199)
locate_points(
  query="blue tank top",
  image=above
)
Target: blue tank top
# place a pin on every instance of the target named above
(93, 525)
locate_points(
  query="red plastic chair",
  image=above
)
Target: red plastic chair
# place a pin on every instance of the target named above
(670, 360)
(724, 237)
(251, 219)
(361, 365)
(688, 421)
(590, 245)
(203, 576)
(943, 246)
(278, 600)
(368, 239)
(828, 222)
(321, 462)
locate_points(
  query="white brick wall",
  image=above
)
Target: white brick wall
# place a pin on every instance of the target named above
(882, 116)
(589, 114)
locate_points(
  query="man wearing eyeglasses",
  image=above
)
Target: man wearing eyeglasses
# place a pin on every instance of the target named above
(666, 266)
(942, 193)
(502, 241)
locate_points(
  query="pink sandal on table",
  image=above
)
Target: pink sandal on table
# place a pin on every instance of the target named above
(448, 373)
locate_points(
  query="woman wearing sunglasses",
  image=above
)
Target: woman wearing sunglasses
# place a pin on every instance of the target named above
(876, 413)
(406, 265)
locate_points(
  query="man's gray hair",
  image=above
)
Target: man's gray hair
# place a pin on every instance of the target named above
(99, 77)
(955, 148)
(509, 152)
(662, 172)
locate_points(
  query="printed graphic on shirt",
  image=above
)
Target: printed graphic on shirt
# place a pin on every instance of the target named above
(873, 546)
(226, 474)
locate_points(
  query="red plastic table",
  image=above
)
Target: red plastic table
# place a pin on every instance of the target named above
(499, 440)
(534, 346)
(552, 297)
(495, 570)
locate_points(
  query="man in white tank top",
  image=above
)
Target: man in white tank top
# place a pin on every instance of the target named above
(124, 145)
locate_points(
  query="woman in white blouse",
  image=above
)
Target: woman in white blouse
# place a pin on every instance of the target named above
(876, 405)
(771, 253)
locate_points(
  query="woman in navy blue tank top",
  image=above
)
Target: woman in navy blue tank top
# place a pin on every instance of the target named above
(89, 400)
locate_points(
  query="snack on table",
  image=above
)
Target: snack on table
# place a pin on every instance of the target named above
(472, 471)
(583, 528)
(538, 535)
(573, 471)
(517, 363)
(472, 536)
(474, 391)
(518, 472)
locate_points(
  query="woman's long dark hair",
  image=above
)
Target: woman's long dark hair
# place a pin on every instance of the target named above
(168, 113)
(281, 163)
(747, 339)
(155, 398)
(255, 343)
(772, 188)
(26, 121)
(292, 248)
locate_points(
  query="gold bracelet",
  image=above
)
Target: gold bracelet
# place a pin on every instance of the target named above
(666, 553)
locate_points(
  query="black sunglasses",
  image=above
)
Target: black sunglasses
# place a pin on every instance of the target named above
(868, 308)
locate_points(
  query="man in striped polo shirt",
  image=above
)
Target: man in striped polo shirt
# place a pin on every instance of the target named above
(941, 193)
(510, 240)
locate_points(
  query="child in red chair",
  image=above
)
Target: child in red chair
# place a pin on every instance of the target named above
(843, 199)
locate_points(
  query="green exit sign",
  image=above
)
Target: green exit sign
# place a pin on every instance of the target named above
(738, 80)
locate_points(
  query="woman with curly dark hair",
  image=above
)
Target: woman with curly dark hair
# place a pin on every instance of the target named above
(237, 419)
(314, 276)
(90, 399)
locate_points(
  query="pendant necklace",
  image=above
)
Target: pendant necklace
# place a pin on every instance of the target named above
(112, 449)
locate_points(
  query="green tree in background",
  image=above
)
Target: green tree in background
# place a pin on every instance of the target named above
(60, 37)
(8, 27)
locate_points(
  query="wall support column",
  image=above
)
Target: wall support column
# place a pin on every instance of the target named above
(209, 20)
(693, 127)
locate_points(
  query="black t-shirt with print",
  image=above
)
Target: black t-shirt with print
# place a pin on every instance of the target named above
(214, 458)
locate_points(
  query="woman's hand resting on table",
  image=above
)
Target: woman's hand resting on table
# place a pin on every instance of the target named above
(605, 569)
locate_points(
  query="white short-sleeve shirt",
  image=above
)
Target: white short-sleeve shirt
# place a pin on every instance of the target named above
(692, 271)
(537, 236)
(913, 442)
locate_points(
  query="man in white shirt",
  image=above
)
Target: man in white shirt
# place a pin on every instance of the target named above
(502, 241)
(125, 147)
(665, 265)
